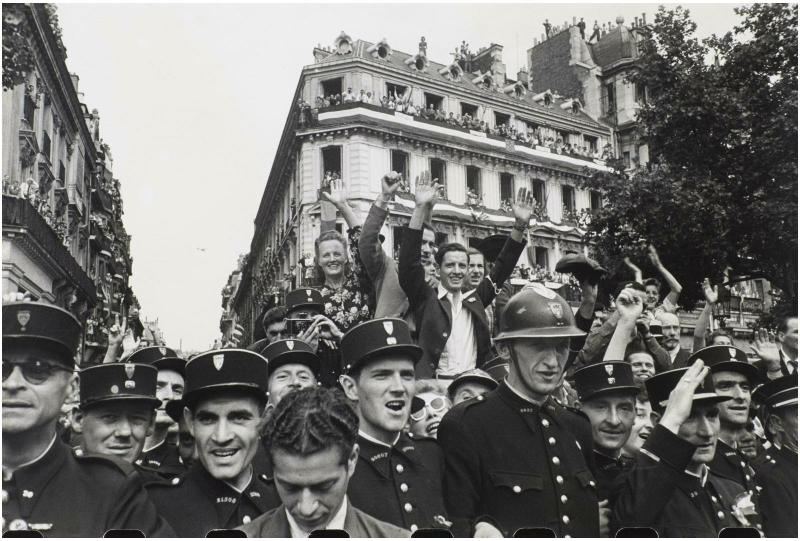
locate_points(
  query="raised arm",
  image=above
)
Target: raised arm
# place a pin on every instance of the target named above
(369, 244)
(338, 197)
(637, 272)
(411, 272)
(629, 307)
(674, 287)
(702, 322)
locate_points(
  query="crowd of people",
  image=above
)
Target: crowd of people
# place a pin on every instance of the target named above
(400, 396)
(530, 136)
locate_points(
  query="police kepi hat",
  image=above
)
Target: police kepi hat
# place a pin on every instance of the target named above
(725, 359)
(605, 377)
(291, 351)
(778, 393)
(661, 385)
(306, 297)
(225, 370)
(162, 357)
(114, 382)
(376, 338)
(36, 322)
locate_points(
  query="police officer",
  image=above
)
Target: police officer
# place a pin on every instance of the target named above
(515, 458)
(397, 479)
(305, 320)
(160, 454)
(671, 488)
(47, 487)
(291, 365)
(224, 403)
(117, 409)
(187, 451)
(778, 474)
(734, 377)
(470, 384)
(607, 396)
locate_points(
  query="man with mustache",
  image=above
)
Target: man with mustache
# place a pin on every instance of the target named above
(224, 403)
(117, 409)
(46, 486)
(671, 488)
(515, 457)
(453, 330)
(397, 479)
(160, 455)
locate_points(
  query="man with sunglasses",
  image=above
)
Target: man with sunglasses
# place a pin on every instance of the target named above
(40, 472)
(397, 479)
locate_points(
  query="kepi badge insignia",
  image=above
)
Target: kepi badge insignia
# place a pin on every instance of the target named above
(218, 360)
(23, 317)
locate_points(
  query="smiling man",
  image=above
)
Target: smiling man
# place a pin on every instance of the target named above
(117, 409)
(671, 488)
(397, 479)
(291, 365)
(224, 403)
(311, 437)
(607, 396)
(516, 458)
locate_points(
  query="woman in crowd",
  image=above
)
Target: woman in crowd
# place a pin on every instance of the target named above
(427, 409)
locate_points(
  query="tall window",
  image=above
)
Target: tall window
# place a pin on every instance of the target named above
(539, 193)
(590, 142)
(641, 93)
(393, 90)
(474, 182)
(28, 110)
(331, 87)
(62, 172)
(568, 197)
(439, 170)
(332, 160)
(46, 145)
(597, 201)
(501, 119)
(626, 158)
(400, 163)
(433, 99)
(467, 108)
(506, 187)
(609, 98)
(540, 253)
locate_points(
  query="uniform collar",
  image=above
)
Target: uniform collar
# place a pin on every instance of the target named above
(38, 458)
(336, 523)
(517, 394)
(702, 476)
(376, 441)
(156, 448)
(31, 479)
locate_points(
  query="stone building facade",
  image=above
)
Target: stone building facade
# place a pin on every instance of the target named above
(63, 237)
(360, 141)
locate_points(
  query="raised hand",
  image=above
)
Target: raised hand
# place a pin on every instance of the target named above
(679, 406)
(629, 305)
(390, 183)
(427, 190)
(711, 294)
(631, 265)
(766, 348)
(523, 207)
(338, 194)
(652, 255)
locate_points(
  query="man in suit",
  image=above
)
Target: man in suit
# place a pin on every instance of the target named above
(311, 438)
(779, 358)
(671, 340)
(453, 330)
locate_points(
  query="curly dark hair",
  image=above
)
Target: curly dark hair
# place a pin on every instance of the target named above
(308, 421)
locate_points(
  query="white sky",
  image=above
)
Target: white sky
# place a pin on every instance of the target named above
(193, 99)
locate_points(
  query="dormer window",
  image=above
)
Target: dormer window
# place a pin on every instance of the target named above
(518, 92)
(419, 63)
(487, 83)
(455, 73)
(548, 100)
(576, 108)
(383, 52)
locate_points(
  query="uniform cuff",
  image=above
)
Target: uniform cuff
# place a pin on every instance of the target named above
(669, 448)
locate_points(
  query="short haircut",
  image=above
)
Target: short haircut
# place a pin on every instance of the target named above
(274, 315)
(637, 346)
(448, 247)
(783, 326)
(325, 236)
(429, 228)
(653, 282)
(427, 386)
(719, 332)
(471, 251)
(312, 420)
(641, 394)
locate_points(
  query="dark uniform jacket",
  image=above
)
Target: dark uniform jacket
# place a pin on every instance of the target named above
(778, 498)
(608, 471)
(401, 485)
(64, 495)
(274, 524)
(730, 463)
(658, 493)
(197, 503)
(434, 315)
(516, 464)
(163, 460)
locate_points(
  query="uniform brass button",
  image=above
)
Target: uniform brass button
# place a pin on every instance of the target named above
(517, 489)
(408, 507)
(567, 537)
(592, 483)
(545, 423)
(565, 519)
(444, 334)
(5, 496)
(414, 528)
(564, 498)
(176, 480)
(27, 494)
(480, 397)
(17, 524)
(714, 499)
(551, 440)
(559, 480)
(246, 519)
(743, 464)
(400, 468)
(556, 460)
(720, 514)
(403, 487)
(747, 477)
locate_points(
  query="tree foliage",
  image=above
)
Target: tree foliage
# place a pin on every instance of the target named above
(17, 54)
(721, 127)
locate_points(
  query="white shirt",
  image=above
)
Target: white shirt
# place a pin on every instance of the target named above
(673, 353)
(461, 349)
(336, 523)
(376, 440)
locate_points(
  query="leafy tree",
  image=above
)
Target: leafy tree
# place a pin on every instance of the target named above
(721, 190)
(17, 54)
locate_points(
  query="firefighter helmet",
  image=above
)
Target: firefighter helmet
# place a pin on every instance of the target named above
(537, 312)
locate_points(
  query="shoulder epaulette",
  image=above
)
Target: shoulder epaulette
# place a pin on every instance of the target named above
(92, 458)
